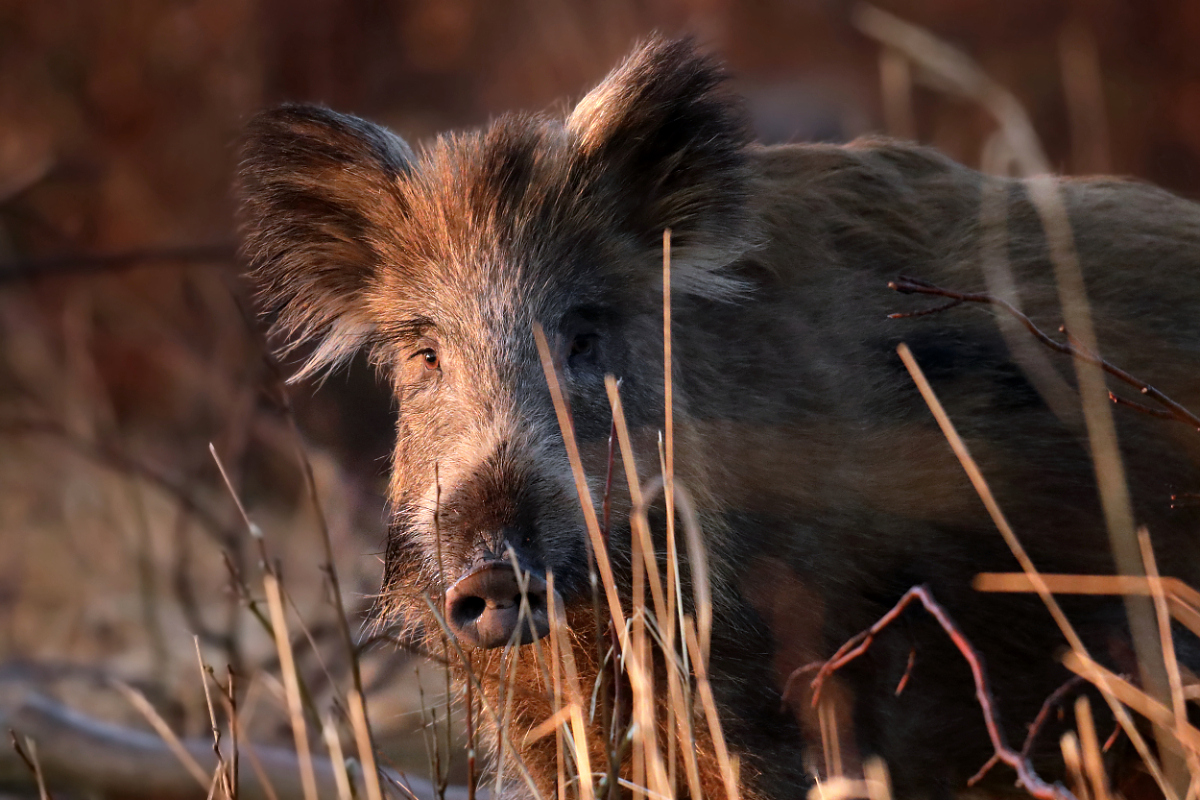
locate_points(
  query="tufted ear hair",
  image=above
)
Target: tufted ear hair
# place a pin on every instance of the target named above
(317, 191)
(666, 127)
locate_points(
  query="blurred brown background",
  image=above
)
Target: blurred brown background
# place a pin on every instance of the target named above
(127, 340)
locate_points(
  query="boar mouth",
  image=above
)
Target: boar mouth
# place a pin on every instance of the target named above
(484, 608)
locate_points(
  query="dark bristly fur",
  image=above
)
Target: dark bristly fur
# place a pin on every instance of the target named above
(824, 486)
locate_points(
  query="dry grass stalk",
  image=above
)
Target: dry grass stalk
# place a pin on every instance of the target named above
(666, 617)
(160, 726)
(946, 68)
(1102, 436)
(668, 610)
(329, 568)
(1083, 89)
(1089, 744)
(830, 740)
(1167, 643)
(634, 643)
(562, 714)
(895, 85)
(599, 550)
(639, 524)
(1161, 715)
(1184, 601)
(1073, 761)
(223, 776)
(27, 752)
(291, 684)
(875, 785)
(366, 751)
(575, 706)
(334, 744)
(728, 771)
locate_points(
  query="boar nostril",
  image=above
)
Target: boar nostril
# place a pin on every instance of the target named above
(468, 609)
(484, 607)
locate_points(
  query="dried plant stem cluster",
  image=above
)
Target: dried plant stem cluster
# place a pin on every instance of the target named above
(657, 646)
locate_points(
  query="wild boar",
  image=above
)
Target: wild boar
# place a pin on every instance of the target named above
(824, 487)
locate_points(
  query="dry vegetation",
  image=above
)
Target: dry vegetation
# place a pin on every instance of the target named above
(179, 558)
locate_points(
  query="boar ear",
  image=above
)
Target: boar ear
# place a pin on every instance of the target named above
(317, 191)
(666, 124)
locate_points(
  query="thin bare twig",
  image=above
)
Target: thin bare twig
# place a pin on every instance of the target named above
(31, 761)
(856, 646)
(1053, 701)
(1173, 410)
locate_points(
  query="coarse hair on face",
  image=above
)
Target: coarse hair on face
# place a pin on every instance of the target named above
(350, 234)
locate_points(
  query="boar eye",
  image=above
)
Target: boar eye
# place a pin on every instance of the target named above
(583, 346)
(427, 358)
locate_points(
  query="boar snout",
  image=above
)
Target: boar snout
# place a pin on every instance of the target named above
(483, 608)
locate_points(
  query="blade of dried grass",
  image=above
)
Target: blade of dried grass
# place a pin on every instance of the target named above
(229, 697)
(960, 74)
(242, 722)
(637, 667)
(567, 426)
(831, 745)
(366, 751)
(1001, 522)
(697, 555)
(583, 760)
(291, 685)
(1073, 584)
(879, 782)
(842, 788)
(895, 88)
(222, 773)
(1166, 640)
(728, 773)
(684, 732)
(330, 565)
(544, 728)
(666, 617)
(561, 713)
(1182, 598)
(1083, 89)
(27, 752)
(1073, 761)
(139, 701)
(1089, 744)
(1133, 697)
(334, 744)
